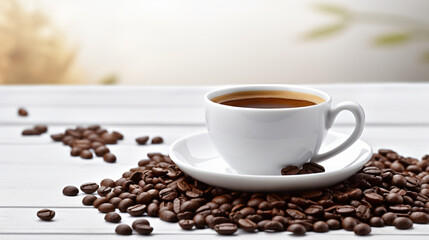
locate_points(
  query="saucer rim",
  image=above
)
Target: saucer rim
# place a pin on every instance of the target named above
(183, 165)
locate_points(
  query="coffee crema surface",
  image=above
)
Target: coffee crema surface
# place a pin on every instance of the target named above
(268, 99)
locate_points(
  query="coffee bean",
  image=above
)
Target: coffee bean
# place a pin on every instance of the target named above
(420, 217)
(101, 150)
(123, 229)
(362, 229)
(89, 188)
(394, 198)
(142, 140)
(313, 167)
(106, 207)
(143, 229)
(125, 204)
(157, 140)
(320, 226)
(186, 224)
(399, 180)
(89, 200)
(402, 223)
(30, 132)
(247, 225)
(374, 198)
(290, 170)
(168, 216)
(297, 229)
(333, 224)
(112, 217)
(295, 214)
(136, 210)
(100, 201)
(86, 154)
(57, 137)
(314, 210)
(376, 222)
(226, 228)
(46, 214)
(349, 223)
(70, 191)
(167, 194)
(109, 157)
(274, 226)
(388, 218)
(103, 191)
(75, 151)
(22, 112)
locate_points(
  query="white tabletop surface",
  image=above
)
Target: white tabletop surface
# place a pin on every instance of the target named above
(34, 169)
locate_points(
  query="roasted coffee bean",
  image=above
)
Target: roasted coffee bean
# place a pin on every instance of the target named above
(192, 206)
(349, 223)
(376, 222)
(109, 157)
(226, 228)
(186, 224)
(143, 229)
(46, 214)
(290, 170)
(101, 150)
(168, 216)
(273, 226)
(153, 209)
(89, 188)
(115, 201)
(70, 191)
(313, 167)
(100, 201)
(86, 154)
(362, 229)
(388, 218)
(140, 222)
(106, 207)
(374, 198)
(142, 140)
(57, 137)
(30, 132)
(314, 210)
(247, 225)
(125, 204)
(112, 217)
(399, 180)
(103, 191)
(320, 226)
(107, 182)
(394, 198)
(400, 208)
(75, 151)
(295, 214)
(157, 140)
(363, 213)
(167, 194)
(402, 223)
(283, 220)
(136, 210)
(297, 229)
(144, 198)
(123, 229)
(420, 217)
(185, 215)
(199, 221)
(22, 112)
(333, 224)
(89, 200)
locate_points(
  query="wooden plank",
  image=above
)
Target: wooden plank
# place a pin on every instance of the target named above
(184, 105)
(89, 221)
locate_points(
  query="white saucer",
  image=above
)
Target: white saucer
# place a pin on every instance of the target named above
(197, 156)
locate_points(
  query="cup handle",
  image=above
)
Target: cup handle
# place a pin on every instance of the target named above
(359, 115)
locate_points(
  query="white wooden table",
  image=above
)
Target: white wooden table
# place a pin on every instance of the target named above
(33, 170)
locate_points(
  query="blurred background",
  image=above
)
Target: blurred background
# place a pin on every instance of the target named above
(195, 42)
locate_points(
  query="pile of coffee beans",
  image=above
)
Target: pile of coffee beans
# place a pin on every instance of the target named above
(389, 190)
(82, 140)
(307, 168)
(143, 140)
(36, 130)
(22, 112)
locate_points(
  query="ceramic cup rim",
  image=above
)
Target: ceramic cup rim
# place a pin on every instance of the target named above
(261, 87)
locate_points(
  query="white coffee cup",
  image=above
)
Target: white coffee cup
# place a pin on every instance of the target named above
(261, 141)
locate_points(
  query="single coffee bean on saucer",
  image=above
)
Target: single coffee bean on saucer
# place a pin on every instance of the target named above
(46, 214)
(157, 140)
(70, 191)
(290, 170)
(123, 229)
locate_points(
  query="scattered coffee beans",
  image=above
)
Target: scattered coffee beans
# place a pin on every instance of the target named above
(307, 168)
(123, 229)
(376, 196)
(22, 112)
(112, 217)
(46, 214)
(83, 141)
(70, 191)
